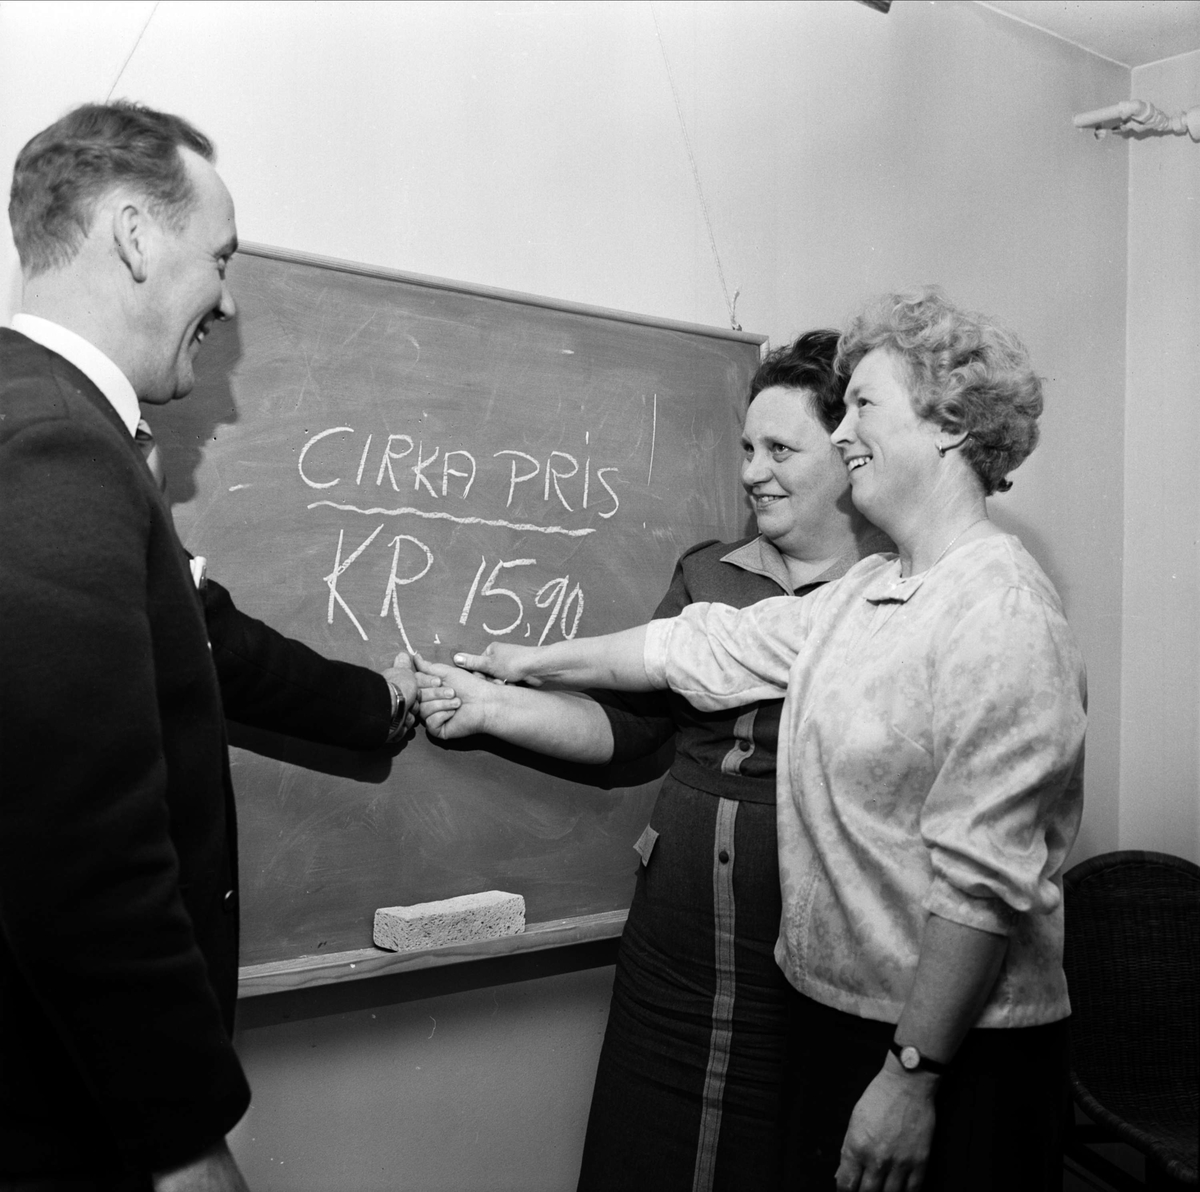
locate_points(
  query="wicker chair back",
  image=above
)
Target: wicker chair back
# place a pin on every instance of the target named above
(1132, 959)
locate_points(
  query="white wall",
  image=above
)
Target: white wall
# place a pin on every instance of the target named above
(1160, 722)
(467, 1089)
(538, 147)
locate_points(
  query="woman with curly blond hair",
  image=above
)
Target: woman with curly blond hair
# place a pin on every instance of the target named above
(930, 772)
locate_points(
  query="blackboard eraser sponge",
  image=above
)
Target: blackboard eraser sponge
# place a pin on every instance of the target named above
(461, 920)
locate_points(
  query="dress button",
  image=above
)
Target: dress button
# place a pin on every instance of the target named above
(228, 899)
(723, 856)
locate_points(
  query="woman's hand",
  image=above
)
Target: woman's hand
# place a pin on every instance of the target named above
(454, 703)
(613, 660)
(891, 1131)
(508, 663)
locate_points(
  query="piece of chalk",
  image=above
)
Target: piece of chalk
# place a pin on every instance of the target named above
(449, 921)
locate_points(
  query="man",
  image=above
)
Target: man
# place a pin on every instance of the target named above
(118, 903)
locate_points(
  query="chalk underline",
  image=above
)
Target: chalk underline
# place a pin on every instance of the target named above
(462, 521)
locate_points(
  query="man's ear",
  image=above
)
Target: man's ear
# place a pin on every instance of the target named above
(131, 237)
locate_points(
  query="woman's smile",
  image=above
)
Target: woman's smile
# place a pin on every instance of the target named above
(790, 472)
(888, 448)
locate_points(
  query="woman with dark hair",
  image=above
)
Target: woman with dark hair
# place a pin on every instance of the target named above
(687, 1090)
(930, 777)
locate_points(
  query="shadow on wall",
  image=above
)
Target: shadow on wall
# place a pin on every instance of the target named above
(184, 427)
(1031, 538)
(15, 288)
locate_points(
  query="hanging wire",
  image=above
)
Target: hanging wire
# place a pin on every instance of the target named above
(687, 142)
(133, 51)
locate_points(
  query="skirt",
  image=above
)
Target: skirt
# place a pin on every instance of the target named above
(689, 1083)
(1001, 1107)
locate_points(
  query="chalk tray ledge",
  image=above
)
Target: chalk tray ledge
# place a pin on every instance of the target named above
(305, 972)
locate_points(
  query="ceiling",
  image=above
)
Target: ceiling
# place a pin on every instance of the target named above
(1132, 32)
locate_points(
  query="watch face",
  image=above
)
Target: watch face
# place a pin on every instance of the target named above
(910, 1058)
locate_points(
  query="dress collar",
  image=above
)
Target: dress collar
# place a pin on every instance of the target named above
(888, 586)
(762, 557)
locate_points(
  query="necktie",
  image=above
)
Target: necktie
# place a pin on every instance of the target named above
(144, 438)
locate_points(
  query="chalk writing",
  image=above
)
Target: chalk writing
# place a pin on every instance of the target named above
(490, 589)
(394, 581)
(440, 515)
(333, 430)
(339, 568)
(466, 612)
(553, 592)
(558, 481)
(558, 468)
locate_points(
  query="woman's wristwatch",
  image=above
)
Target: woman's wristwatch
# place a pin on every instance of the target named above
(911, 1060)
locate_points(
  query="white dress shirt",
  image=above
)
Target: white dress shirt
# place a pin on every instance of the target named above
(90, 361)
(107, 377)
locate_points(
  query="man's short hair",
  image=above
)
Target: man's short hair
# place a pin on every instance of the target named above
(64, 170)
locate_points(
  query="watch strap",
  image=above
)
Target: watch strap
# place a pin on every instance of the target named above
(906, 1053)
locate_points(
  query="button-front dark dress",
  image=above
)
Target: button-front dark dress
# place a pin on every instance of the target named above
(688, 1085)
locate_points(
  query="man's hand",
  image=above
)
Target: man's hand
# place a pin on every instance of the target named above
(214, 1171)
(890, 1133)
(402, 675)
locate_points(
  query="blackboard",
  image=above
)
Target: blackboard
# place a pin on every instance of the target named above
(373, 461)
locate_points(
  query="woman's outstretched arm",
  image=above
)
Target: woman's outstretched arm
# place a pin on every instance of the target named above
(614, 660)
(456, 703)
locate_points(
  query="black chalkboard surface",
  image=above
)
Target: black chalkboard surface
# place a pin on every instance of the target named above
(374, 461)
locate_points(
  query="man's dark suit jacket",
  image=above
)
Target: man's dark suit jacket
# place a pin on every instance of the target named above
(118, 882)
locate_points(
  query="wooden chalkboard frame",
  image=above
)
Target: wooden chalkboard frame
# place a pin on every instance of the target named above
(295, 257)
(306, 972)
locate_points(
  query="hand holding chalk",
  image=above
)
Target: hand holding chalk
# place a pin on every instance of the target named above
(508, 663)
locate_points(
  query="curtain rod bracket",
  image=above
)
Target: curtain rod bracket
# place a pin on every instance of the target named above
(1132, 116)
